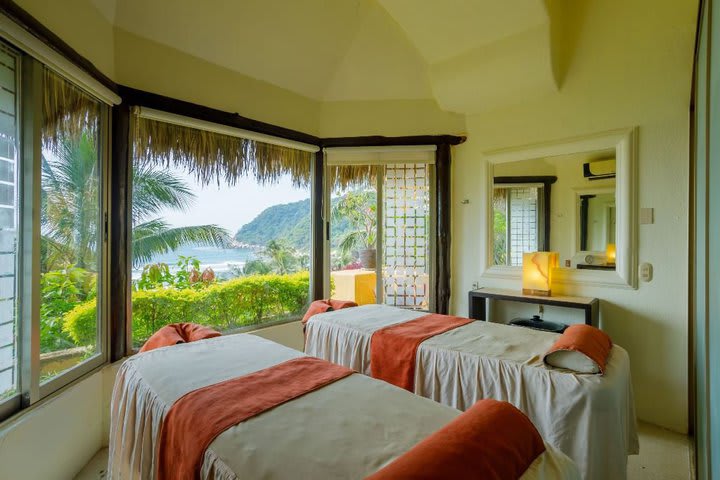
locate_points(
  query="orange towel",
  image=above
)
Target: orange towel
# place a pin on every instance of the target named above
(393, 348)
(178, 333)
(492, 440)
(197, 418)
(322, 306)
(590, 341)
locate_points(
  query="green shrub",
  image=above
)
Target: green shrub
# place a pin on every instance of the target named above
(62, 290)
(223, 305)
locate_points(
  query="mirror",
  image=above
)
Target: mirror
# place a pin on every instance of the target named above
(577, 198)
(533, 202)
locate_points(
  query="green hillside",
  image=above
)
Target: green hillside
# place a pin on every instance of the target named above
(288, 221)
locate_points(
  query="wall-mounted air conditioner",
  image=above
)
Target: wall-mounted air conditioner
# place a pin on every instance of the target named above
(599, 169)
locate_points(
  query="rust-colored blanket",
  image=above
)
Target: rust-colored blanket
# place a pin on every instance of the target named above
(492, 440)
(197, 418)
(178, 333)
(393, 348)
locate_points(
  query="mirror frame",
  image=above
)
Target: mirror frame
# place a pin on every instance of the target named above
(624, 142)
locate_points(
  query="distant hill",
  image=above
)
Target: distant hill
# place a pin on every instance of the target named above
(289, 221)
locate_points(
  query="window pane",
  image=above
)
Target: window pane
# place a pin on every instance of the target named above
(8, 224)
(70, 216)
(353, 238)
(226, 254)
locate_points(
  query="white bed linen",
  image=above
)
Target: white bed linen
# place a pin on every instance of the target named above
(347, 430)
(591, 418)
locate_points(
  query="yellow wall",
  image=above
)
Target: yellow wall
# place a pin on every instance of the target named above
(150, 66)
(609, 86)
(388, 117)
(80, 26)
(56, 439)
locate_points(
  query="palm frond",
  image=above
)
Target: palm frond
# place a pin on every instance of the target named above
(156, 237)
(155, 190)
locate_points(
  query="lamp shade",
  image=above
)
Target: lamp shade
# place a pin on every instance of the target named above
(537, 272)
(610, 253)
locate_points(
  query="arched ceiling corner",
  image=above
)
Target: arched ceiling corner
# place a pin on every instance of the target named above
(467, 56)
(484, 54)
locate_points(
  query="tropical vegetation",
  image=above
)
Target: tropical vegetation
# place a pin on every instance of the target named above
(225, 306)
(70, 214)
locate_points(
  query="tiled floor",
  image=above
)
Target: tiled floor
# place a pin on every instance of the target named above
(663, 455)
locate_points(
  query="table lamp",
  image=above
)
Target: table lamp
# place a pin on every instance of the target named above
(537, 272)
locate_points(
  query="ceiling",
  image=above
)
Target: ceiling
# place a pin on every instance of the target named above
(463, 54)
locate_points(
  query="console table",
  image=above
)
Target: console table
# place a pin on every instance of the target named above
(479, 301)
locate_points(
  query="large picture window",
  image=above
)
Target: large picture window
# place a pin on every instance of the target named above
(52, 235)
(220, 229)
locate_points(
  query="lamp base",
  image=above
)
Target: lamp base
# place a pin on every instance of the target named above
(537, 293)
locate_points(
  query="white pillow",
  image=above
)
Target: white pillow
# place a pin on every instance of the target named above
(572, 360)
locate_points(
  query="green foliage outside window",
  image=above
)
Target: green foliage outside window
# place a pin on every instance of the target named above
(61, 291)
(224, 306)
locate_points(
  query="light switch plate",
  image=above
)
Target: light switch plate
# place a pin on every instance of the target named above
(647, 216)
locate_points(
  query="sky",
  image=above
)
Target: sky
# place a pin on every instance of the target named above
(231, 206)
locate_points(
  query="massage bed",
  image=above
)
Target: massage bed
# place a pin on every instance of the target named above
(348, 429)
(591, 418)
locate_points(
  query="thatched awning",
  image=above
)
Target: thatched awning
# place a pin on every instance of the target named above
(67, 110)
(343, 177)
(219, 157)
(213, 156)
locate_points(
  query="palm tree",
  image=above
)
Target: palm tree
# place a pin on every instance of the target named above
(281, 257)
(359, 209)
(70, 218)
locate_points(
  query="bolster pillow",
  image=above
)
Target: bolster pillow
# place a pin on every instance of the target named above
(322, 306)
(175, 333)
(582, 349)
(491, 440)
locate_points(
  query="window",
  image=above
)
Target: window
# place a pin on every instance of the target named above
(516, 218)
(71, 232)
(220, 229)
(52, 245)
(9, 232)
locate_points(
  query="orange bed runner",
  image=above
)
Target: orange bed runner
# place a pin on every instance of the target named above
(393, 348)
(492, 440)
(197, 418)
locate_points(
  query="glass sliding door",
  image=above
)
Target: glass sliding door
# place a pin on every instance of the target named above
(354, 235)
(378, 207)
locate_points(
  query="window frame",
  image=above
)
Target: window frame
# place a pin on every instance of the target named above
(380, 157)
(544, 183)
(30, 388)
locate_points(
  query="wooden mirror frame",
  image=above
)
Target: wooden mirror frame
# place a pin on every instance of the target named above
(624, 142)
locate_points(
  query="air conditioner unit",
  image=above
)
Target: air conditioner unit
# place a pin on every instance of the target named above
(599, 169)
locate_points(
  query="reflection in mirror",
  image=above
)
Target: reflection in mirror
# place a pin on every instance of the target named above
(563, 203)
(597, 221)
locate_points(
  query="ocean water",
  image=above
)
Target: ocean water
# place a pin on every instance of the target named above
(221, 260)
